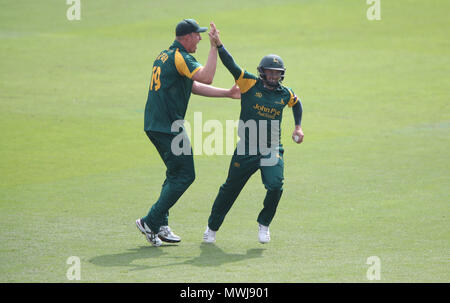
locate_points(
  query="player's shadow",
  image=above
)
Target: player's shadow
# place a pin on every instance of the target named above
(126, 259)
(210, 255)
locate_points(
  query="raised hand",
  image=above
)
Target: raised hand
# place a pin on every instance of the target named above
(214, 35)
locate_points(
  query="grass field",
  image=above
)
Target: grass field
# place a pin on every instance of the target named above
(371, 179)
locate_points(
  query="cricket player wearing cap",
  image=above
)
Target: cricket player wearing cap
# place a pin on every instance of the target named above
(175, 75)
(263, 99)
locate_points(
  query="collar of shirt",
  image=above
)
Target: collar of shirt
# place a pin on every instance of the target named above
(177, 44)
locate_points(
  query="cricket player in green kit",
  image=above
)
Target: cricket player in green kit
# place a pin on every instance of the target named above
(262, 101)
(175, 74)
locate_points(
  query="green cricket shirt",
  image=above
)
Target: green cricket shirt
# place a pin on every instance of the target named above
(170, 88)
(257, 102)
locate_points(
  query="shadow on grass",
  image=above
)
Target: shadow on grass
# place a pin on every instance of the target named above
(126, 258)
(210, 255)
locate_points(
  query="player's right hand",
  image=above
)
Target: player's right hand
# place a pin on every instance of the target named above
(214, 35)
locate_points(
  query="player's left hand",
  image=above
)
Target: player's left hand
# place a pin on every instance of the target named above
(298, 135)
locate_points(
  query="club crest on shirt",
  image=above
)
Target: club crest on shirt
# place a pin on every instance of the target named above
(258, 94)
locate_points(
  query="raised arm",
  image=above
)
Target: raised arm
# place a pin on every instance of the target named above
(226, 57)
(229, 62)
(206, 73)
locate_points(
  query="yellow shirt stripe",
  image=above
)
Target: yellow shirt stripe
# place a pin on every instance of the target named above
(181, 66)
(245, 84)
(292, 100)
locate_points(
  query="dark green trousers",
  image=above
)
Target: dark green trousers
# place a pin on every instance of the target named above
(242, 167)
(180, 174)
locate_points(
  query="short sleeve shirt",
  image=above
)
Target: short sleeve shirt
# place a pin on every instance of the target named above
(170, 89)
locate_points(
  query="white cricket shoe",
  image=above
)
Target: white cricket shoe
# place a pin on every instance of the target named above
(166, 234)
(263, 234)
(151, 236)
(209, 235)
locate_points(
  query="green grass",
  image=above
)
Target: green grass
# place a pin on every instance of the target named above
(371, 178)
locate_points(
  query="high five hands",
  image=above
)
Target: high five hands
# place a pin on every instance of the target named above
(214, 37)
(234, 92)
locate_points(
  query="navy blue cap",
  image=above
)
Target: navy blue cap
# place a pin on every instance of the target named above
(188, 26)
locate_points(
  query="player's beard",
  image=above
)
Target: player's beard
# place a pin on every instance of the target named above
(273, 84)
